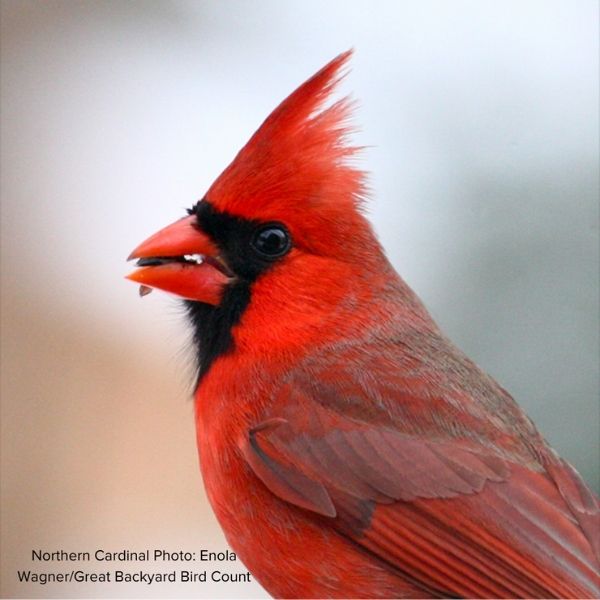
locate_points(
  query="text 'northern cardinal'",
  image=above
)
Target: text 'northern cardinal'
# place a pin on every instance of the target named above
(347, 447)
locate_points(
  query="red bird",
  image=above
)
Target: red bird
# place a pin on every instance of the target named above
(347, 447)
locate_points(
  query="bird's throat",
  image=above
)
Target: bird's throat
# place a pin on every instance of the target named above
(212, 326)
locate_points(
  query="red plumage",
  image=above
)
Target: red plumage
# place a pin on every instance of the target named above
(347, 447)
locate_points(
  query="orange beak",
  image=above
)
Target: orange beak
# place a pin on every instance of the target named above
(182, 260)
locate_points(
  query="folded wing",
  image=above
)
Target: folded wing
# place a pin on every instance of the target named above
(458, 518)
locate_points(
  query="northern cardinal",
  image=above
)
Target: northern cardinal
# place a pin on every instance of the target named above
(348, 449)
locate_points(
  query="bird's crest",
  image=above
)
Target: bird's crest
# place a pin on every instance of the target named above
(298, 157)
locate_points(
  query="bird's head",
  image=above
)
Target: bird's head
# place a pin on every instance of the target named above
(282, 220)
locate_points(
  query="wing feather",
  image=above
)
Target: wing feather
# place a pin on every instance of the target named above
(462, 500)
(459, 522)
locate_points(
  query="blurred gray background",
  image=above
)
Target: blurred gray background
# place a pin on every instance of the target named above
(481, 119)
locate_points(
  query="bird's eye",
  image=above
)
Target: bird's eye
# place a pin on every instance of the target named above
(271, 240)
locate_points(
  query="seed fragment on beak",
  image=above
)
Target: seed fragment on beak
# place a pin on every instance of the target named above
(194, 258)
(144, 290)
